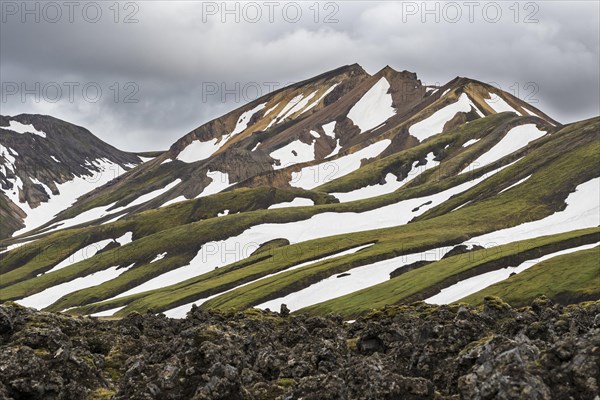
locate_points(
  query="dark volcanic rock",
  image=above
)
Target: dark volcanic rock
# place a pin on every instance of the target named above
(462, 249)
(409, 267)
(417, 351)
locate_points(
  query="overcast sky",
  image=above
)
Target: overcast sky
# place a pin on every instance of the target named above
(165, 68)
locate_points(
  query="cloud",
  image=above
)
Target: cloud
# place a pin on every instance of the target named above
(177, 48)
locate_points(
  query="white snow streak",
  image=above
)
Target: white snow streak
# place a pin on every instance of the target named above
(517, 138)
(316, 175)
(374, 107)
(476, 283)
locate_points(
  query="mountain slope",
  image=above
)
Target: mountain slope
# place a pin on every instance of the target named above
(376, 190)
(178, 243)
(45, 164)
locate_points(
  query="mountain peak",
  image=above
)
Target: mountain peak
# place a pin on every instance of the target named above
(44, 158)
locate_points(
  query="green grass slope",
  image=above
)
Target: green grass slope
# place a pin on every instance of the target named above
(569, 278)
(425, 282)
(557, 163)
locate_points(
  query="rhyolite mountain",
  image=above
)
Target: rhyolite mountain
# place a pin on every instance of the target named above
(39, 154)
(342, 193)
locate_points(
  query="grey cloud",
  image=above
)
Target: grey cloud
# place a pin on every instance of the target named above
(171, 53)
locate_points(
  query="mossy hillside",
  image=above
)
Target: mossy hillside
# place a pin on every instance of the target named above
(458, 218)
(240, 200)
(464, 222)
(551, 159)
(177, 234)
(401, 163)
(221, 279)
(237, 201)
(427, 281)
(153, 221)
(271, 245)
(489, 215)
(137, 185)
(505, 210)
(33, 259)
(184, 238)
(249, 199)
(456, 158)
(565, 279)
(127, 280)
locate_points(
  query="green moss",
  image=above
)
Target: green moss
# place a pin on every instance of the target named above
(476, 343)
(285, 382)
(352, 344)
(271, 245)
(41, 352)
(101, 394)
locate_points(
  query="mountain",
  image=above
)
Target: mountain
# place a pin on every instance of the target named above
(45, 164)
(341, 193)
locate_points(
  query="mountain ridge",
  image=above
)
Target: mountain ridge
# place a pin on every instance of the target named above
(36, 164)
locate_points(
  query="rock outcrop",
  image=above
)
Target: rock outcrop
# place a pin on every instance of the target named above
(544, 351)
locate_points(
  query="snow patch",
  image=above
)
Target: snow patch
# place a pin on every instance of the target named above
(107, 313)
(198, 151)
(498, 104)
(177, 199)
(298, 106)
(159, 257)
(515, 139)
(288, 106)
(211, 254)
(515, 184)
(296, 202)
(470, 142)
(476, 283)
(329, 128)
(18, 127)
(152, 195)
(374, 107)
(181, 311)
(125, 239)
(359, 278)
(270, 109)
(316, 175)
(220, 182)
(81, 254)
(391, 182)
(303, 153)
(69, 192)
(434, 124)
(314, 103)
(48, 296)
(243, 120)
(582, 211)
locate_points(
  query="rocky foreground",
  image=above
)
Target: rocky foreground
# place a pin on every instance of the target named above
(420, 351)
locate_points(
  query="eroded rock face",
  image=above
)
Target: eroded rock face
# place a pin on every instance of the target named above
(420, 351)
